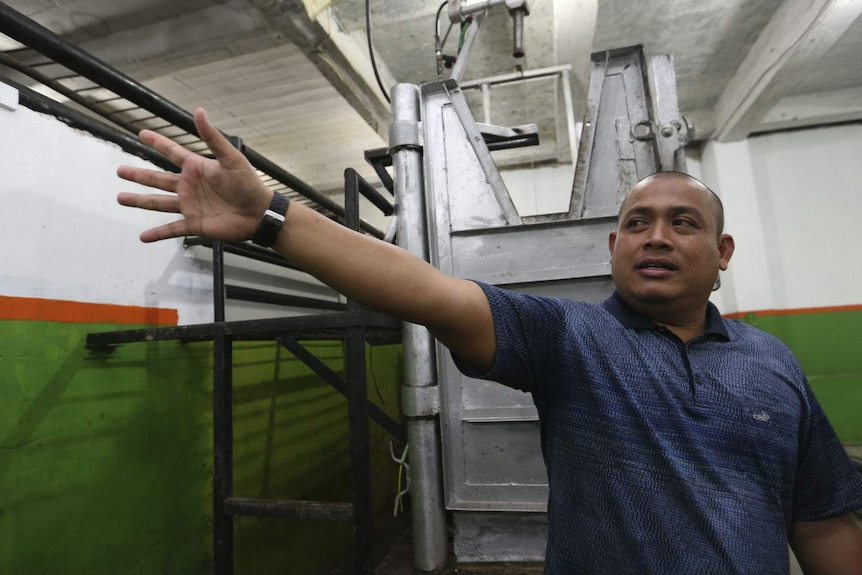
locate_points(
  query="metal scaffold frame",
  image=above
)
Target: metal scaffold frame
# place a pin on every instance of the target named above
(352, 324)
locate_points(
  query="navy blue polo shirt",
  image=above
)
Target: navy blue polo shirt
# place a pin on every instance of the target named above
(664, 456)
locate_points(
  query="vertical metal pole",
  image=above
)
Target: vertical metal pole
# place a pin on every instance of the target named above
(223, 454)
(222, 426)
(357, 409)
(574, 144)
(419, 392)
(218, 281)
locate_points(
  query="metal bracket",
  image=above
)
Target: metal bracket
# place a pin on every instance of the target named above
(405, 135)
(420, 401)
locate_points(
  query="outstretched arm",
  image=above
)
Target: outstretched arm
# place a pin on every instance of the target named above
(830, 546)
(224, 199)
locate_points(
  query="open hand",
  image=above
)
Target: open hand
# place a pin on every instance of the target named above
(222, 198)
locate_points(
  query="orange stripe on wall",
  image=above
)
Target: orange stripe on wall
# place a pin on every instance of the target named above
(797, 311)
(37, 309)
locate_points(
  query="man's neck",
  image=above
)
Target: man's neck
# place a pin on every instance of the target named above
(685, 326)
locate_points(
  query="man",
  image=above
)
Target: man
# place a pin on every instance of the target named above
(675, 441)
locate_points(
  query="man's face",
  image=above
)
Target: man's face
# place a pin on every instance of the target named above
(666, 249)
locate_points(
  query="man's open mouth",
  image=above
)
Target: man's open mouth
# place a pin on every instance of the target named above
(657, 265)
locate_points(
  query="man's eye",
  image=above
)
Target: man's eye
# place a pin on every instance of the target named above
(684, 223)
(636, 223)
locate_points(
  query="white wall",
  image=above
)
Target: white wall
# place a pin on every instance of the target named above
(65, 237)
(793, 202)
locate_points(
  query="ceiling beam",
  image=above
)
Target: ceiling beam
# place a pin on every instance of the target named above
(341, 57)
(815, 109)
(798, 35)
(155, 48)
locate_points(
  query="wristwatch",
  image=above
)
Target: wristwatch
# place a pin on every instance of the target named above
(273, 219)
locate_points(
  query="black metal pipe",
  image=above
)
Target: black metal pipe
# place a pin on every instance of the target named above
(35, 36)
(261, 296)
(291, 509)
(357, 411)
(246, 250)
(372, 195)
(43, 104)
(320, 326)
(379, 158)
(360, 451)
(218, 282)
(14, 64)
(326, 373)
(222, 454)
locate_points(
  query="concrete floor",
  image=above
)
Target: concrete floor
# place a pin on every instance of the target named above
(399, 561)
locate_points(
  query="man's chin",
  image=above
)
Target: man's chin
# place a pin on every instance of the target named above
(653, 295)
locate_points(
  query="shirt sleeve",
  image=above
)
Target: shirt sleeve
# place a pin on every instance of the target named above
(827, 483)
(523, 326)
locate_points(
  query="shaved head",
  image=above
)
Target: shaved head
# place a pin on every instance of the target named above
(695, 184)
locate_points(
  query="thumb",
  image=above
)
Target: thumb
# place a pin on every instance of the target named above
(221, 148)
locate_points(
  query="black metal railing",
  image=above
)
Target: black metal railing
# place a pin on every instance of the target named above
(128, 105)
(355, 326)
(115, 107)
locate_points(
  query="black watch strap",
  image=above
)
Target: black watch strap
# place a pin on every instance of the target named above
(273, 219)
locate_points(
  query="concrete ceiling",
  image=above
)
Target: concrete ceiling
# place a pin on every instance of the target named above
(293, 77)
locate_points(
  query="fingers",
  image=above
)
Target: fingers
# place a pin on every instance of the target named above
(159, 204)
(215, 140)
(176, 229)
(156, 203)
(165, 146)
(160, 180)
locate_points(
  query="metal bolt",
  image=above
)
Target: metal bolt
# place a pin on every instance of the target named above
(667, 131)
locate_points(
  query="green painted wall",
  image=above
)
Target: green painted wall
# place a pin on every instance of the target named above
(829, 348)
(106, 460)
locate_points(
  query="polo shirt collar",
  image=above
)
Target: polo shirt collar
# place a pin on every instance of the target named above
(629, 317)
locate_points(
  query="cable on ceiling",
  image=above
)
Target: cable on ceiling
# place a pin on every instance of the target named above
(371, 50)
(437, 19)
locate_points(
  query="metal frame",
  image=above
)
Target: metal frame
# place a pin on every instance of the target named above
(490, 433)
(354, 326)
(563, 73)
(37, 37)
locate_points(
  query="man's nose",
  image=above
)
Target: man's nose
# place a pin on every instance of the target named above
(658, 235)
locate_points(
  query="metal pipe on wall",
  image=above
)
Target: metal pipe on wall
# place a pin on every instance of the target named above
(419, 392)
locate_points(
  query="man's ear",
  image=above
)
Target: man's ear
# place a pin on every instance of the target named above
(726, 246)
(612, 241)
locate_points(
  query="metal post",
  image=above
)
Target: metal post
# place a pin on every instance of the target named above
(357, 414)
(222, 454)
(566, 80)
(419, 392)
